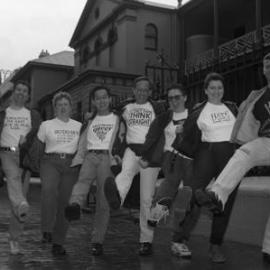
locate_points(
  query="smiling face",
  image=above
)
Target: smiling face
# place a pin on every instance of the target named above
(62, 108)
(102, 101)
(215, 91)
(20, 94)
(142, 91)
(176, 100)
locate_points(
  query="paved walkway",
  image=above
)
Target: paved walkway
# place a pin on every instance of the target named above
(120, 247)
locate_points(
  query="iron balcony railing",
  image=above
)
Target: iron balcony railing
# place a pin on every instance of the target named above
(227, 51)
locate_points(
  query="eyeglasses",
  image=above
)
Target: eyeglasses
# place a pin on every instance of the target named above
(176, 97)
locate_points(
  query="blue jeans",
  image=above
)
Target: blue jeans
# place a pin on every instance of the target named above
(175, 169)
(96, 166)
(16, 191)
(57, 179)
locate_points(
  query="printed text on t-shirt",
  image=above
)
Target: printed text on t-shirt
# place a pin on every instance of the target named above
(101, 130)
(65, 136)
(220, 117)
(139, 117)
(16, 122)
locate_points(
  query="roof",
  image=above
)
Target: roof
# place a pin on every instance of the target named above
(123, 4)
(61, 60)
(65, 58)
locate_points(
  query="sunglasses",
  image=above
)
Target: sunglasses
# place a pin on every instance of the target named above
(176, 97)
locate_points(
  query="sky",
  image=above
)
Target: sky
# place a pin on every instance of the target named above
(29, 26)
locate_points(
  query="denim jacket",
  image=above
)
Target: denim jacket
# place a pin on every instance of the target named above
(247, 127)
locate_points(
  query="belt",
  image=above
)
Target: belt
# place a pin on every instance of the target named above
(98, 151)
(9, 149)
(60, 155)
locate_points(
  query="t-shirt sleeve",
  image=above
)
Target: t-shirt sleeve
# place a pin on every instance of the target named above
(42, 132)
(125, 112)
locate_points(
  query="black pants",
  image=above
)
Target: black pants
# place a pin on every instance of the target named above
(209, 161)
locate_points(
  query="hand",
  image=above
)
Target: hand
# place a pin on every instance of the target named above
(22, 140)
(117, 159)
(143, 163)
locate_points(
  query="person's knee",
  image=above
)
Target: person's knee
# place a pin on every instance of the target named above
(242, 153)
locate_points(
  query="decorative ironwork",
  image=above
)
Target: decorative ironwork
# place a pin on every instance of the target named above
(162, 75)
(227, 51)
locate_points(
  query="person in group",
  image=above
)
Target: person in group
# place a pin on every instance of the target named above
(252, 131)
(176, 167)
(60, 137)
(138, 116)
(19, 126)
(94, 154)
(206, 139)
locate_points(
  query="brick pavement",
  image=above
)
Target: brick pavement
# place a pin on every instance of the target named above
(120, 246)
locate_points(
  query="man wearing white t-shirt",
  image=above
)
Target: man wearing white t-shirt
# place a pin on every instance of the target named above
(138, 117)
(18, 127)
(95, 156)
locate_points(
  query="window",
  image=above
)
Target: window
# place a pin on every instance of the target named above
(112, 35)
(96, 13)
(151, 37)
(98, 45)
(85, 54)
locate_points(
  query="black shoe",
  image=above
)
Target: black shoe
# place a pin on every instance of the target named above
(210, 200)
(145, 249)
(73, 212)
(112, 193)
(266, 257)
(46, 237)
(58, 250)
(97, 249)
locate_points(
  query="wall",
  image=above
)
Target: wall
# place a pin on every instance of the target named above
(45, 81)
(129, 53)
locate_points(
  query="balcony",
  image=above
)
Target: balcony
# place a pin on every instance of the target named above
(227, 51)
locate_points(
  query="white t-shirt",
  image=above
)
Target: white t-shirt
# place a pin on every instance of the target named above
(216, 123)
(17, 123)
(60, 136)
(138, 118)
(100, 132)
(178, 119)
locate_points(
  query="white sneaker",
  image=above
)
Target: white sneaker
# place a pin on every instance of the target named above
(157, 213)
(181, 250)
(14, 247)
(23, 211)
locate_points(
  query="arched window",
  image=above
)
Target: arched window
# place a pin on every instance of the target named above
(85, 54)
(97, 46)
(151, 37)
(112, 35)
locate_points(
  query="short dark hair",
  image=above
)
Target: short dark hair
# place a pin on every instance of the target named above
(97, 88)
(213, 76)
(143, 78)
(178, 86)
(23, 83)
(267, 57)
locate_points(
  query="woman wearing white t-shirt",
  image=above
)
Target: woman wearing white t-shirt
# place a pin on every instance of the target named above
(60, 137)
(206, 139)
(176, 168)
